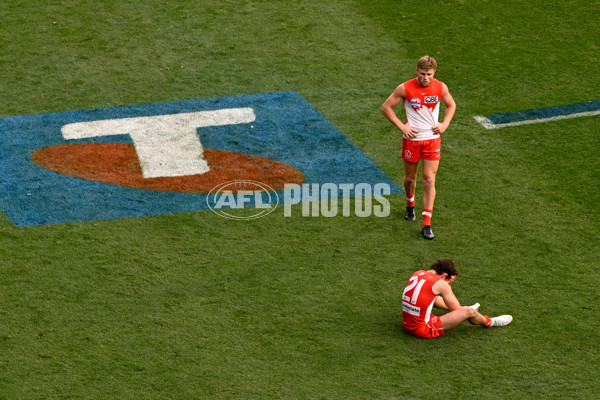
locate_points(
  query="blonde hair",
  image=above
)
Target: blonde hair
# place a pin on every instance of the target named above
(427, 62)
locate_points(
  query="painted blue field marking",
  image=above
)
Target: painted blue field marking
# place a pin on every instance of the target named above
(537, 115)
(286, 128)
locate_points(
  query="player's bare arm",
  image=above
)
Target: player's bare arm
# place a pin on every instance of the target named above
(433, 288)
(449, 113)
(388, 110)
(439, 301)
(443, 289)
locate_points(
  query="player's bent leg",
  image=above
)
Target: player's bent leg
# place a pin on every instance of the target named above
(456, 317)
(477, 319)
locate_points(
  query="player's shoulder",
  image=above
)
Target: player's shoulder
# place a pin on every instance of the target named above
(442, 86)
(441, 286)
(400, 91)
(438, 84)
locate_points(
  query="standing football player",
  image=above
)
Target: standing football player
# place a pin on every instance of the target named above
(421, 132)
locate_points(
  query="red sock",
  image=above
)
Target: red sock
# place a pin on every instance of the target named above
(427, 217)
(410, 201)
(488, 321)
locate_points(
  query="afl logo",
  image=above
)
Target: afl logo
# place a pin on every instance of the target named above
(415, 102)
(239, 194)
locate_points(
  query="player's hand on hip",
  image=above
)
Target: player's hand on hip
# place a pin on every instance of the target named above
(409, 132)
(440, 128)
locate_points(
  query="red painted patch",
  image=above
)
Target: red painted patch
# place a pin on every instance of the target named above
(117, 163)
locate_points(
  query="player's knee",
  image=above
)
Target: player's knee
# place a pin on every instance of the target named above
(429, 183)
(469, 312)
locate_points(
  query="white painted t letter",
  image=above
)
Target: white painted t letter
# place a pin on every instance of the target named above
(166, 145)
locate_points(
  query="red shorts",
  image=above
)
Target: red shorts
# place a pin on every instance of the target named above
(428, 331)
(414, 150)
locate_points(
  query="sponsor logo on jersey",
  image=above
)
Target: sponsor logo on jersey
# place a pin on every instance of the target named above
(412, 310)
(431, 99)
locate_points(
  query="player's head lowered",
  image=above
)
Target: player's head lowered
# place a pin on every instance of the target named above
(426, 63)
(445, 265)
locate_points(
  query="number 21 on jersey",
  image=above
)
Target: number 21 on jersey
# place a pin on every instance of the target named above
(414, 286)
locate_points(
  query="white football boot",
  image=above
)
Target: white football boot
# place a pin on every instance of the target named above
(502, 320)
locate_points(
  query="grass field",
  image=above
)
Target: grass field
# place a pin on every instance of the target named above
(195, 306)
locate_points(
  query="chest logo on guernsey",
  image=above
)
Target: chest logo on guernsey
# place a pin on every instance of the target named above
(431, 99)
(415, 102)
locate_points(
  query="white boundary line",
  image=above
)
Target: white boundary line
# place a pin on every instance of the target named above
(487, 124)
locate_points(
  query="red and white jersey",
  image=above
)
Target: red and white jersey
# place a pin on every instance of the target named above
(422, 106)
(418, 299)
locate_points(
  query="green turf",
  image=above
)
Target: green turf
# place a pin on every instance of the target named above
(195, 306)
